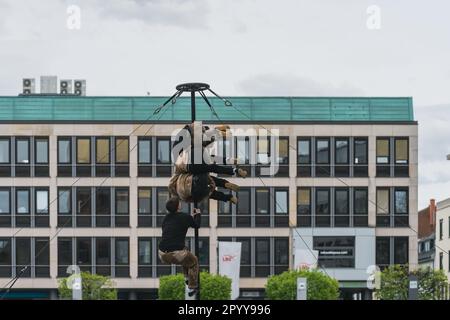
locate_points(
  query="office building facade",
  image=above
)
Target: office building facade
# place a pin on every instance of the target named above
(83, 181)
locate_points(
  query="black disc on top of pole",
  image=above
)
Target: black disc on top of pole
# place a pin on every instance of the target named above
(192, 86)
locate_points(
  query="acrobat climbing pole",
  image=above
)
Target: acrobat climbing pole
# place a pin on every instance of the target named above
(193, 88)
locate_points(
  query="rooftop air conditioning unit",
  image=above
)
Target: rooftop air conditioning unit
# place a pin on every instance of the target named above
(65, 87)
(79, 87)
(49, 84)
(28, 85)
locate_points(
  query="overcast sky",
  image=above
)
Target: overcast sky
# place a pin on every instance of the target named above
(246, 47)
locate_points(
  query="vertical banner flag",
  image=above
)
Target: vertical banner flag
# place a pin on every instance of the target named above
(305, 259)
(230, 263)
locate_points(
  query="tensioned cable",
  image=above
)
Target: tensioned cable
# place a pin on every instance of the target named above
(12, 281)
(291, 225)
(338, 178)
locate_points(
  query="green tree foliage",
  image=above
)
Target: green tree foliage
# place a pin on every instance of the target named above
(213, 287)
(320, 285)
(95, 287)
(394, 282)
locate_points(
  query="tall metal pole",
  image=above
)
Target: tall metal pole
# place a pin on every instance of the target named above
(197, 217)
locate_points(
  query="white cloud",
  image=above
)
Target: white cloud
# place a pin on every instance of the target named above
(434, 145)
(292, 85)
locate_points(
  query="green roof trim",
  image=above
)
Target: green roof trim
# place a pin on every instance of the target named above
(263, 109)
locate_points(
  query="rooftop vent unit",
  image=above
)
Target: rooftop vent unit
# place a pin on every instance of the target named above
(49, 84)
(65, 87)
(28, 85)
(80, 87)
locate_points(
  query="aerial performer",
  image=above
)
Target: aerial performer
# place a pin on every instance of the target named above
(192, 182)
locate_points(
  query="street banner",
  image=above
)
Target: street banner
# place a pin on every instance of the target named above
(230, 263)
(305, 259)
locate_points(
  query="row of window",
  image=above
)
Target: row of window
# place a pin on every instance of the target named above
(24, 207)
(93, 156)
(257, 207)
(260, 256)
(348, 156)
(28, 257)
(391, 250)
(24, 157)
(332, 207)
(98, 255)
(348, 207)
(109, 156)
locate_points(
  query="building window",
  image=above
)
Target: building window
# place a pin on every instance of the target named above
(360, 161)
(401, 207)
(441, 261)
(162, 195)
(341, 207)
(83, 152)
(23, 157)
(262, 257)
(383, 159)
(122, 154)
(5, 157)
(401, 250)
(304, 157)
(392, 250)
(246, 257)
(281, 207)
(122, 265)
(65, 250)
(341, 157)
(335, 252)
(262, 218)
(23, 257)
(383, 207)
(41, 207)
(144, 207)
(23, 218)
(64, 156)
(144, 156)
(103, 256)
(242, 152)
(383, 252)
(323, 157)
(84, 253)
(103, 207)
(5, 258)
(282, 144)
(360, 207)
(145, 269)
(41, 168)
(281, 254)
(5, 207)
(64, 207)
(263, 154)
(401, 154)
(122, 216)
(42, 257)
(224, 211)
(304, 207)
(323, 218)
(163, 154)
(102, 157)
(243, 218)
(441, 229)
(83, 203)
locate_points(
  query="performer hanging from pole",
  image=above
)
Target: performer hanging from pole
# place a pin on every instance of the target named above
(172, 248)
